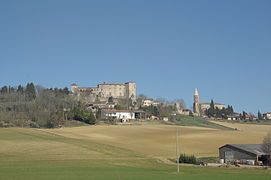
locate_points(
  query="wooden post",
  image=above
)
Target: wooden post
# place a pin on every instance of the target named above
(177, 149)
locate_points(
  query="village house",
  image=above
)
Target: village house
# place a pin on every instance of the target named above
(267, 115)
(234, 117)
(251, 154)
(102, 105)
(148, 102)
(123, 115)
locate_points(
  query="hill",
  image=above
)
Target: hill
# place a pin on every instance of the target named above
(184, 120)
(32, 154)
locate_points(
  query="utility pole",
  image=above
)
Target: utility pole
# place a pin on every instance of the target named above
(177, 149)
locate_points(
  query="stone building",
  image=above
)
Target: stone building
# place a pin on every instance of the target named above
(148, 102)
(200, 108)
(104, 91)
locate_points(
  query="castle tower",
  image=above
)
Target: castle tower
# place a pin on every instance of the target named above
(74, 88)
(196, 102)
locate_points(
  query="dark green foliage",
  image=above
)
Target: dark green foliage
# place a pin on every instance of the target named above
(243, 116)
(190, 159)
(219, 113)
(110, 99)
(30, 91)
(4, 90)
(260, 116)
(80, 114)
(49, 124)
(151, 110)
(20, 89)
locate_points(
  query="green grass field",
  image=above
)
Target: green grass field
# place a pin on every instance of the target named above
(185, 120)
(32, 154)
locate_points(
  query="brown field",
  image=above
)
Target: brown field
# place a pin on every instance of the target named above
(159, 140)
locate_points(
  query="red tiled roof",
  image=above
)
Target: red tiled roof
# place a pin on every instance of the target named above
(148, 99)
(110, 110)
(214, 103)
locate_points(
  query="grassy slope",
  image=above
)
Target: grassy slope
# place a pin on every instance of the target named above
(29, 154)
(184, 120)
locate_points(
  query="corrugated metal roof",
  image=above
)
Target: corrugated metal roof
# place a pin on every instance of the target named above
(252, 148)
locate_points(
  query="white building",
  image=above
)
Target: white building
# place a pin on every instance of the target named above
(118, 114)
(267, 115)
(148, 102)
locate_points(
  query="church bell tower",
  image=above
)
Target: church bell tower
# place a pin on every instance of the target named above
(196, 102)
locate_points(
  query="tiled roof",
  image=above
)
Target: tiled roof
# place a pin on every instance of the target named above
(110, 110)
(150, 99)
(214, 103)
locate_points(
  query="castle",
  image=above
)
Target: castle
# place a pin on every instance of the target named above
(105, 91)
(200, 108)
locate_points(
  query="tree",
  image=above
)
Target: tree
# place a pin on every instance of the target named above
(162, 100)
(20, 89)
(30, 91)
(4, 90)
(66, 90)
(110, 99)
(260, 117)
(266, 146)
(244, 115)
(211, 111)
(141, 96)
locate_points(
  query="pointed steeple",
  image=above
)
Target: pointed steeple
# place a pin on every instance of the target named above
(196, 92)
(196, 102)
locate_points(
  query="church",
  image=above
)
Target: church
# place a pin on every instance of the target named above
(200, 108)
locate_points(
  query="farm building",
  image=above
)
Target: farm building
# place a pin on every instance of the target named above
(123, 115)
(243, 154)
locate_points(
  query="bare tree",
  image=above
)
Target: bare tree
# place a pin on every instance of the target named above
(162, 100)
(266, 147)
(141, 96)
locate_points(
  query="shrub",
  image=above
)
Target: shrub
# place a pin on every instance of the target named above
(191, 159)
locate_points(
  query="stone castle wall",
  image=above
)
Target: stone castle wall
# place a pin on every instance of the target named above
(103, 91)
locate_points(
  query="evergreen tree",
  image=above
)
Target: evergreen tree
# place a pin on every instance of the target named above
(211, 111)
(20, 89)
(30, 91)
(66, 90)
(4, 90)
(244, 115)
(260, 117)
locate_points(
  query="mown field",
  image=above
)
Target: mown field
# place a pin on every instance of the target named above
(160, 140)
(111, 152)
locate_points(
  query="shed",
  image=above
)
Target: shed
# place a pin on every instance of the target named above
(243, 153)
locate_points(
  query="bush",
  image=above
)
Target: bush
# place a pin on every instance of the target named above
(49, 124)
(190, 159)
(83, 116)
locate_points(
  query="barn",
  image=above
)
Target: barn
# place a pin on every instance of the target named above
(243, 154)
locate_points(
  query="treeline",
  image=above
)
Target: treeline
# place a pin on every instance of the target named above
(219, 113)
(35, 106)
(159, 111)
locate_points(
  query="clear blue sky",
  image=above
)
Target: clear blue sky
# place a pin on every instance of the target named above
(221, 47)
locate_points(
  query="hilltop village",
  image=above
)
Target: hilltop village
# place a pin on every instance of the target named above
(119, 101)
(36, 106)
